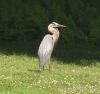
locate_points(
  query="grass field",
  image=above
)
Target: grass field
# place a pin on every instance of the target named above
(19, 74)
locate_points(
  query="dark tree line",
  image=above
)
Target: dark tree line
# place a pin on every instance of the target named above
(28, 19)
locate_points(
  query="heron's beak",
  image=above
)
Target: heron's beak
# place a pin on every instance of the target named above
(59, 25)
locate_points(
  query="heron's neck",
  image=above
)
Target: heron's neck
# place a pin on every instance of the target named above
(55, 33)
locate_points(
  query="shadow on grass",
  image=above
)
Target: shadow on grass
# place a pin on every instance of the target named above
(66, 53)
(34, 70)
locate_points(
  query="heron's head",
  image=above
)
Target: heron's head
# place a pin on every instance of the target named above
(54, 27)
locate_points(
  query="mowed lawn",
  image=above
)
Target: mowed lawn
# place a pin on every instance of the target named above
(19, 74)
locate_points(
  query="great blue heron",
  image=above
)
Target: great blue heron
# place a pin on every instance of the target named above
(47, 44)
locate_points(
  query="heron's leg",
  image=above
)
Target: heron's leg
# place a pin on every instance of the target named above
(40, 68)
(43, 68)
(49, 64)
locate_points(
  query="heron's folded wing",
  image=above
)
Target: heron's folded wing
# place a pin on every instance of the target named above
(46, 46)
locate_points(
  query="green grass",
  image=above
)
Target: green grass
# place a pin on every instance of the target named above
(19, 74)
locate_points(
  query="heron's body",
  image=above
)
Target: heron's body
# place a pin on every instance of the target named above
(47, 44)
(45, 49)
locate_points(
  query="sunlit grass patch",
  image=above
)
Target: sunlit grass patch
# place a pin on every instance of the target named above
(19, 74)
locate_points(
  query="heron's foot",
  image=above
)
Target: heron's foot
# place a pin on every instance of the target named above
(42, 69)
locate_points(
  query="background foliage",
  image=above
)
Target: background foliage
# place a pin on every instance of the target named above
(27, 20)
